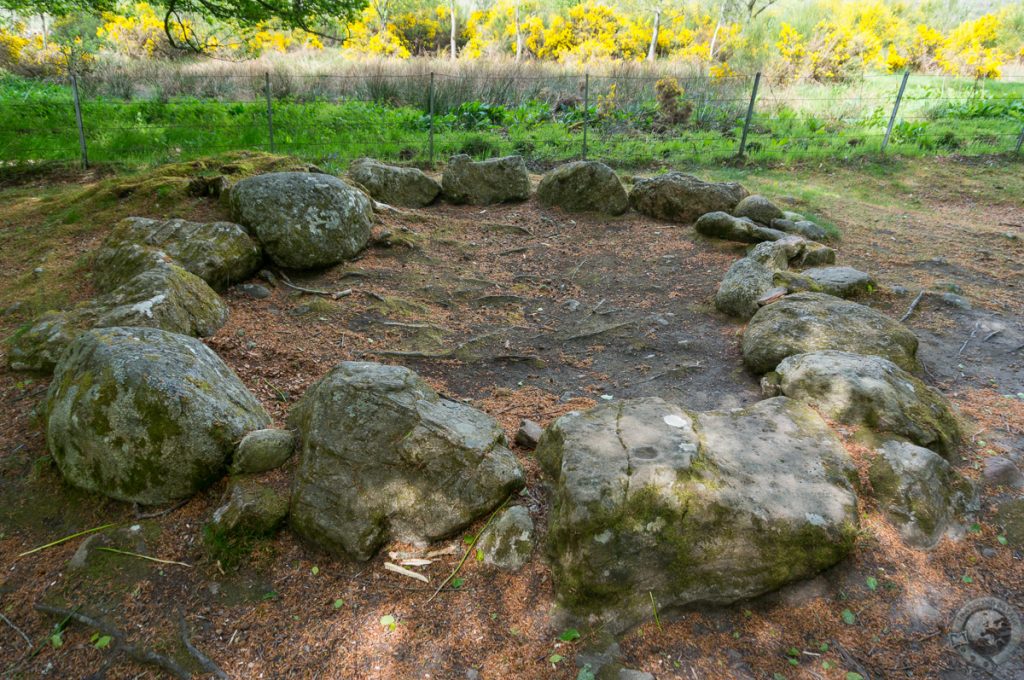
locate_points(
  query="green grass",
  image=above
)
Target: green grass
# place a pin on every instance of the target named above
(802, 123)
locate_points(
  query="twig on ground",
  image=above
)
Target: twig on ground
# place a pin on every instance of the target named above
(208, 664)
(913, 306)
(138, 654)
(576, 270)
(850, 660)
(992, 335)
(469, 551)
(969, 338)
(402, 571)
(160, 513)
(65, 539)
(19, 631)
(313, 291)
(143, 557)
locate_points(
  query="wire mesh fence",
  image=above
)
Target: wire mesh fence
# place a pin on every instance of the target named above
(420, 119)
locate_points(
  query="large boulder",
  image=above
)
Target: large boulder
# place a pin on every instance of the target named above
(497, 180)
(651, 501)
(263, 450)
(812, 322)
(758, 208)
(583, 186)
(679, 197)
(164, 296)
(874, 392)
(143, 415)
(220, 253)
(919, 492)
(409, 187)
(805, 228)
(792, 251)
(844, 282)
(384, 457)
(724, 226)
(508, 542)
(250, 509)
(303, 219)
(744, 284)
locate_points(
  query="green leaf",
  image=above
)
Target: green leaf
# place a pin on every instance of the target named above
(57, 639)
(271, 595)
(555, 659)
(569, 634)
(974, 528)
(827, 665)
(792, 651)
(586, 674)
(854, 676)
(849, 618)
(458, 582)
(794, 662)
(778, 676)
(339, 603)
(823, 646)
(388, 621)
(872, 583)
(102, 641)
(966, 579)
(468, 539)
(315, 570)
(479, 555)
(1001, 539)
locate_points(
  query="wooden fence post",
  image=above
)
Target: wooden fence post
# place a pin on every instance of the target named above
(78, 120)
(430, 105)
(895, 110)
(586, 111)
(270, 110)
(750, 114)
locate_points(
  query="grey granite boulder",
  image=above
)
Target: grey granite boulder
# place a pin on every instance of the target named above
(812, 322)
(873, 392)
(303, 220)
(408, 187)
(143, 415)
(508, 542)
(250, 509)
(805, 228)
(263, 450)
(758, 208)
(583, 186)
(678, 197)
(220, 253)
(651, 501)
(497, 180)
(383, 457)
(724, 226)
(744, 284)
(844, 282)
(919, 492)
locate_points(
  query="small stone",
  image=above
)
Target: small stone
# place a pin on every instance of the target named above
(572, 305)
(900, 290)
(509, 542)
(37, 271)
(1000, 471)
(954, 300)
(254, 290)
(529, 434)
(268, 276)
(263, 450)
(252, 509)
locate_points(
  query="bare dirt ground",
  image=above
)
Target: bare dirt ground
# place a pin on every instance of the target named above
(526, 313)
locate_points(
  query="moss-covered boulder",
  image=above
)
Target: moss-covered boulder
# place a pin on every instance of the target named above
(759, 209)
(220, 253)
(805, 228)
(164, 296)
(844, 282)
(678, 197)
(382, 456)
(115, 264)
(792, 251)
(652, 501)
(143, 415)
(724, 226)
(251, 509)
(496, 180)
(919, 492)
(873, 392)
(303, 220)
(744, 284)
(263, 450)
(409, 187)
(508, 542)
(583, 186)
(813, 322)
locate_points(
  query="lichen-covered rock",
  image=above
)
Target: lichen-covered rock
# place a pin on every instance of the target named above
(873, 392)
(724, 226)
(652, 501)
(496, 180)
(251, 509)
(679, 197)
(759, 209)
(919, 492)
(844, 282)
(382, 457)
(263, 450)
(792, 251)
(164, 296)
(805, 228)
(115, 266)
(508, 542)
(813, 322)
(409, 187)
(1010, 517)
(143, 415)
(220, 253)
(744, 284)
(583, 186)
(303, 220)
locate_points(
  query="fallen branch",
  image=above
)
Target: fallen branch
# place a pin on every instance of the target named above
(17, 630)
(913, 306)
(469, 551)
(402, 571)
(143, 557)
(313, 291)
(208, 664)
(138, 654)
(66, 538)
(598, 331)
(161, 513)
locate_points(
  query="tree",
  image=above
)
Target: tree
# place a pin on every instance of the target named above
(308, 15)
(56, 8)
(454, 30)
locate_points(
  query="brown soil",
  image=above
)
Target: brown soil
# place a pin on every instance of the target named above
(530, 313)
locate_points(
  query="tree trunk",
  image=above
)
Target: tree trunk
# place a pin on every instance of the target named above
(42, 18)
(652, 51)
(453, 31)
(519, 36)
(714, 38)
